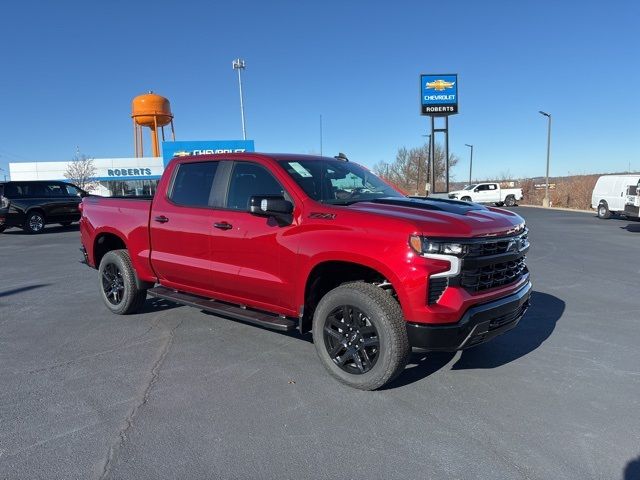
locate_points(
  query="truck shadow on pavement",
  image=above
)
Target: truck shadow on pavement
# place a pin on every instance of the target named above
(535, 327)
(633, 228)
(632, 470)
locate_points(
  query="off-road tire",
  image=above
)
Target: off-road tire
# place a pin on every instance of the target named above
(131, 299)
(383, 311)
(603, 211)
(34, 222)
(510, 201)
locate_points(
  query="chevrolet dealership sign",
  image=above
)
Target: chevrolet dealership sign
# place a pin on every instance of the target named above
(204, 147)
(439, 94)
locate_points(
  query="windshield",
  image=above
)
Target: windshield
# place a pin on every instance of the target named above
(337, 181)
(469, 187)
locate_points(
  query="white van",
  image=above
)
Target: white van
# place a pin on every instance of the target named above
(610, 194)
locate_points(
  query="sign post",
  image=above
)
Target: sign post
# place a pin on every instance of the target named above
(438, 98)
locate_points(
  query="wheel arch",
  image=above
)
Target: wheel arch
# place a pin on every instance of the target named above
(327, 274)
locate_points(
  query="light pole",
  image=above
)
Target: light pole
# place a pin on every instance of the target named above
(545, 202)
(470, 161)
(426, 188)
(239, 64)
(5, 173)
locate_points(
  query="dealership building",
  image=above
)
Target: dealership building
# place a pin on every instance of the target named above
(127, 176)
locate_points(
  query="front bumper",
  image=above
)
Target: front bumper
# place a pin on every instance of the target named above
(478, 325)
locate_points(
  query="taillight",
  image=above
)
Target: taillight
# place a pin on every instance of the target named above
(4, 202)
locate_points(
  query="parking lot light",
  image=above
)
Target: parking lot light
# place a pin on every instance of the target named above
(545, 202)
(470, 161)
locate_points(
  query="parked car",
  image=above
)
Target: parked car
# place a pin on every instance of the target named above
(33, 204)
(318, 244)
(488, 193)
(610, 194)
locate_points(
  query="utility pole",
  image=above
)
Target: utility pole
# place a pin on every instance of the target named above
(545, 202)
(239, 64)
(320, 134)
(470, 161)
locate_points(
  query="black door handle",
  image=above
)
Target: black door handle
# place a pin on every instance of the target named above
(161, 219)
(223, 225)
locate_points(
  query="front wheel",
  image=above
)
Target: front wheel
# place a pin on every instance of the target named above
(34, 223)
(117, 283)
(360, 335)
(603, 211)
(466, 199)
(510, 201)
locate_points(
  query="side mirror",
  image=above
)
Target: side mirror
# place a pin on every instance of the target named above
(270, 206)
(476, 189)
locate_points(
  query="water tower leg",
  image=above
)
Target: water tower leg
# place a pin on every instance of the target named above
(173, 132)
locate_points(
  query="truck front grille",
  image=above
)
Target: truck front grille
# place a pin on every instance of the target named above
(492, 275)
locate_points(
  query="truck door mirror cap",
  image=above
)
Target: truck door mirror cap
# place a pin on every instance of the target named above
(270, 205)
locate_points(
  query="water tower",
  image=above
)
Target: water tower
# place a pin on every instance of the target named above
(153, 111)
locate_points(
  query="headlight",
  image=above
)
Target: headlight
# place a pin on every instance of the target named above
(423, 245)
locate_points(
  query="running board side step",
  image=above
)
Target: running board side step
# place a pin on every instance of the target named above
(267, 320)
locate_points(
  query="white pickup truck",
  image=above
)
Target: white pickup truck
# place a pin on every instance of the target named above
(488, 193)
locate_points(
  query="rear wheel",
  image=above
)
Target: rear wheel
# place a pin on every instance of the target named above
(117, 282)
(510, 201)
(603, 211)
(34, 223)
(360, 335)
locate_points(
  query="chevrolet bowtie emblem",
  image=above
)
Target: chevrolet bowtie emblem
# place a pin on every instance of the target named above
(440, 85)
(181, 153)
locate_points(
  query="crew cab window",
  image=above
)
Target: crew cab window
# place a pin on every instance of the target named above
(192, 184)
(482, 188)
(249, 179)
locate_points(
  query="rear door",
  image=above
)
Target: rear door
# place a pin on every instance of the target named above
(180, 226)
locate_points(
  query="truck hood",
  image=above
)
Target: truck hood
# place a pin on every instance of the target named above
(460, 192)
(444, 218)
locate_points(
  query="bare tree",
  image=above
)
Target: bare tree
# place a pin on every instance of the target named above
(410, 170)
(81, 172)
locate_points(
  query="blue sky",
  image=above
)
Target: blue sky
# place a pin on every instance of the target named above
(70, 70)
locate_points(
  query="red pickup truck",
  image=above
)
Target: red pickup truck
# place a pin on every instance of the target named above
(318, 244)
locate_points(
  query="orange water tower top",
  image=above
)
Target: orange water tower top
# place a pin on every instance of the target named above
(152, 111)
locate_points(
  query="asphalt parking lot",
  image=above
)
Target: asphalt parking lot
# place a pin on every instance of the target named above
(177, 393)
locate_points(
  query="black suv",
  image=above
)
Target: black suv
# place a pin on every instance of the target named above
(32, 204)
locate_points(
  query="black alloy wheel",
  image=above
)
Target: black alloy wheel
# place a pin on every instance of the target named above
(118, 284)
(510, 201)
(351, 339)
(113, 284)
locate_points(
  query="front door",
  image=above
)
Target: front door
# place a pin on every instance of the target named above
(253, 257)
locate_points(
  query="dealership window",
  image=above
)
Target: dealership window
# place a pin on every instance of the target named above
(131, 188)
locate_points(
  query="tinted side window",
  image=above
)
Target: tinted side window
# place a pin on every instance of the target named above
(482, 188)
(72, 191)
(55, 190)
(192, 185)
(11, 190)
(249, 179)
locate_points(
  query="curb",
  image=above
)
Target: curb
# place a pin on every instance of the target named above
(562, 209)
